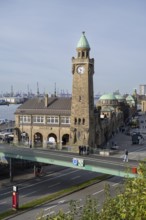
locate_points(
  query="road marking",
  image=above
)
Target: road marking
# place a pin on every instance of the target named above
(61, 201)
(53, 185)
(28, 194)
(42, 181)
(115, 184)
(76, 177)
(98, 192)
(48, 214)
(80, 207)
(51, 207)
(3, 203)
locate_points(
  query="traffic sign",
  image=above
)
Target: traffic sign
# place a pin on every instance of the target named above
(81, 162)
(75, 161)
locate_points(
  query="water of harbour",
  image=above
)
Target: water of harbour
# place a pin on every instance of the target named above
(7, 111)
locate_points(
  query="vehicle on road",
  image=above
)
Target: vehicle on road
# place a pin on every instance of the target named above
(137, 138)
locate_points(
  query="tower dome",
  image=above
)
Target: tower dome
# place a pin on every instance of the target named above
(83, 43)
(108, 96)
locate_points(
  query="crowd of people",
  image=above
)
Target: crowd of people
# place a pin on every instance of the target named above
(83, 150)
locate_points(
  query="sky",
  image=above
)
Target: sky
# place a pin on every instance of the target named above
(38, 39)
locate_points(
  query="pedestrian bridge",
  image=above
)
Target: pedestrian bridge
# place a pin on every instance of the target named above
(94, 163)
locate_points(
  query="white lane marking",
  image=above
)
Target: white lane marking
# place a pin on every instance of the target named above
(28, 194)
(1, 203)
(51, 207)
(80, 207)
(103, 189)
(6, 193)
(48, 214)
(76, 177)
(61, 201)
(115, 184)
(34, 184)
(98, 192)
(53, 185)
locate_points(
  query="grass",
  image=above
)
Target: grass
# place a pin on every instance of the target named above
(53, 196)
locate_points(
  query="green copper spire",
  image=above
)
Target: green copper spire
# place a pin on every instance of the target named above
(83, 43)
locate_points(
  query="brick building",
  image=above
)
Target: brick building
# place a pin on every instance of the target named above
(67, 121)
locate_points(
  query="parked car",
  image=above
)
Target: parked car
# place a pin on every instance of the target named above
(115, 147)
(137, 138)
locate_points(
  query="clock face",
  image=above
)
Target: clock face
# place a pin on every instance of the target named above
(80, 69)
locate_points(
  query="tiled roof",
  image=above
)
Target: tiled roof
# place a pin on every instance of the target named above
(56, 106)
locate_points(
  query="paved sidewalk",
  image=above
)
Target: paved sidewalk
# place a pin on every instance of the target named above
(136, 152)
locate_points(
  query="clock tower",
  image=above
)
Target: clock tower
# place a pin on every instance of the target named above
(82, 129)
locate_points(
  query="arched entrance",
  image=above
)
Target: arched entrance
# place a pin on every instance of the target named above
(51, 140)
(38, 139)
(65, 139)
(24, 137)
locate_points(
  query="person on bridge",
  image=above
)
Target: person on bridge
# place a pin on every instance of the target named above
(126, 156)
(30, 144)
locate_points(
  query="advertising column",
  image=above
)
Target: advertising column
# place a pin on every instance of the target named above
(15, 198)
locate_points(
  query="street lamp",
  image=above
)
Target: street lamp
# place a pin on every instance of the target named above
(22, 125)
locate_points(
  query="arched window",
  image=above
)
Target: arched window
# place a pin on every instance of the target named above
(79, 54)
(83, 121)
(75, 121)
(79, 121)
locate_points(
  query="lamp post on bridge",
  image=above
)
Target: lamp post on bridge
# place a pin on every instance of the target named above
(22, 125)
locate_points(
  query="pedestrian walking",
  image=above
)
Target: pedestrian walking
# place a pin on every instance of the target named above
(87, 150)
(84, 149)
(79, 150)
(30, 144)
(126, 156)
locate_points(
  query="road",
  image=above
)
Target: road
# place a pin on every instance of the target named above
(55, 179)
(96, 191)
(92, 162)
(65, 177)
(136, 152)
